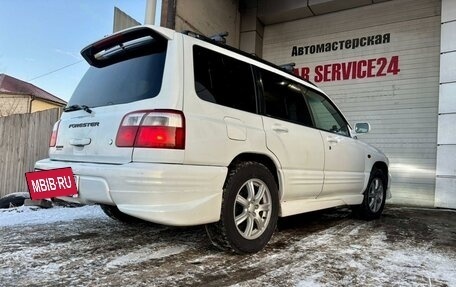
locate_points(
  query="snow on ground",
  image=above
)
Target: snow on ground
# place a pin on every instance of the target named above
(154, 251)
(374, 263)
(83, 247)
(25, 215)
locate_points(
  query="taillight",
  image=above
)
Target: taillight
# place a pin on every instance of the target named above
(128, 129)
(55, 131)
(152, 129)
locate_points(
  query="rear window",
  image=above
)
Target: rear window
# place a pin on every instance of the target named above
(137, 78)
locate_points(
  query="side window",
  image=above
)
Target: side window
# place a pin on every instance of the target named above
(223, 80)
(326, 116)
(284, 100)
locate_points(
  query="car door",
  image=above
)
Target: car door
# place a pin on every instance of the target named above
(298, 147)
(344, 163)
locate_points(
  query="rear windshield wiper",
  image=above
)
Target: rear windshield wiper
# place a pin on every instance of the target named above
(77, 108)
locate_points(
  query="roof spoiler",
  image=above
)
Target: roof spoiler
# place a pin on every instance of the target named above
(123, 45)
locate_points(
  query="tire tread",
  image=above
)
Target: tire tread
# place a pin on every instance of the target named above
(217, 231)
(362, 211)
(114, 213)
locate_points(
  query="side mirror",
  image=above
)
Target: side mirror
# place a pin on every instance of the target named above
(362, 128)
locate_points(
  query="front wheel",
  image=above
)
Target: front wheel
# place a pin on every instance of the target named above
(374, 197)
(249, 210)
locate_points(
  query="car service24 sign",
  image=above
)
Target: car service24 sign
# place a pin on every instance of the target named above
(347, 70)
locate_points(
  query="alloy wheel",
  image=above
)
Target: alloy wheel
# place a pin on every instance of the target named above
(375, 195)
(252, 209)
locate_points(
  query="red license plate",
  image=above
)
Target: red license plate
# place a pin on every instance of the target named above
(51, 183)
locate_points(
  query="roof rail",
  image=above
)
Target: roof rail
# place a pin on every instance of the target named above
(220, 37)
(197, 36)
(288, 67)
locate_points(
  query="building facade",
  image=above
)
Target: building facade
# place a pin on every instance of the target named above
(19, 97)
(391, 63)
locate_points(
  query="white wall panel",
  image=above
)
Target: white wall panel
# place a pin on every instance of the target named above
(445, 192)
(372, 16)
(402, 108)
(446, 160)
(447, 99)
(447, 68)
(448, 37)
(448, 10)
(447, 129)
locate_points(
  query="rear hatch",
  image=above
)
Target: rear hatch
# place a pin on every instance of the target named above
(126, 74)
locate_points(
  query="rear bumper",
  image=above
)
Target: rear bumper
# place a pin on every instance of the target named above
(171, 194)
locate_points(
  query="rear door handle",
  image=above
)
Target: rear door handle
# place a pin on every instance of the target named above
(333, 140)
(279, 129)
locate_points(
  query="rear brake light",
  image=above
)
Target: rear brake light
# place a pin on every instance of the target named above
(108, 41)
(55, 131)
(152, 129)
(128, 129)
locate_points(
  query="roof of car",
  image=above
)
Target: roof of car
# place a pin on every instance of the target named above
(11, 85)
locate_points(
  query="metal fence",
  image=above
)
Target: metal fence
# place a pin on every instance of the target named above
(24, 139)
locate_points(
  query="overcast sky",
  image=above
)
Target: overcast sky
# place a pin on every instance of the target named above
(37, 37)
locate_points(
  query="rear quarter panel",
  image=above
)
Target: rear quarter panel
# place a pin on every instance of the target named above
(216, 134)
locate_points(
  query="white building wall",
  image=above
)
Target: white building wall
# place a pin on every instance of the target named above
(403, 107)
(445, 190)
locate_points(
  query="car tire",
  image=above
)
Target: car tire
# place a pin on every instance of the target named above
(249, 210)
(115, 213)
(14, 199)
(374, 197)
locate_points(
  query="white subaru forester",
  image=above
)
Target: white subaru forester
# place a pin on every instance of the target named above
(178, 129)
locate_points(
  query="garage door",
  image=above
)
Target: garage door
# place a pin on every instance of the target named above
(379, 63)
